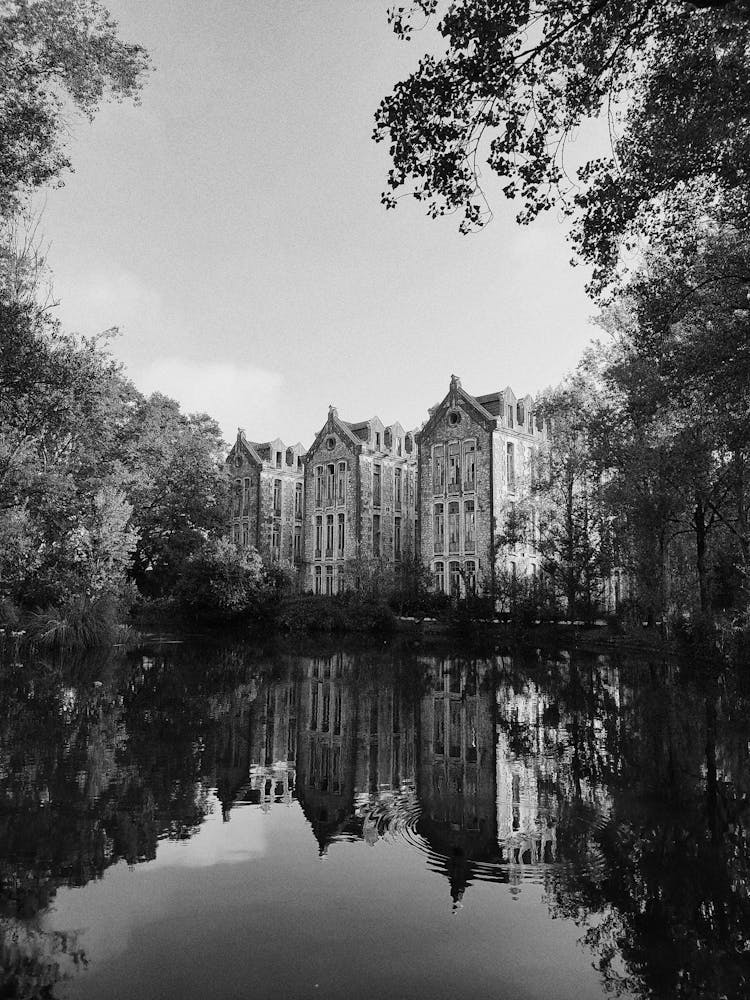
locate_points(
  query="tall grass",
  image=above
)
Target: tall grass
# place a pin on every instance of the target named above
(78, 624)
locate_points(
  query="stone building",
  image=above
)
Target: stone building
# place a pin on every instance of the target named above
(476, 463)
(360, 501)
(267, 504)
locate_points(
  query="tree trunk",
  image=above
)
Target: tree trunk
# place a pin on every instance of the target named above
(570, 545)
(699, 522)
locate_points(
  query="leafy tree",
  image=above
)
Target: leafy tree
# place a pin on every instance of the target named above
(222, 581)
(671, 77)
(54, 55)
(172, 468)
(675, 383)
(575, 537)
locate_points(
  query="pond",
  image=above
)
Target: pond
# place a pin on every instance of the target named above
(202, 819)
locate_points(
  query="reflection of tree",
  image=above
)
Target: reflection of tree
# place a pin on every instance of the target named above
(661, 882)
(98, 761)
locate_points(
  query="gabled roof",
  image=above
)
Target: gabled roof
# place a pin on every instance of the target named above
(247, 448)
(336, 426)
(457, 396)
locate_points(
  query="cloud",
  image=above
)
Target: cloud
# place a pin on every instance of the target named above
(236, 395)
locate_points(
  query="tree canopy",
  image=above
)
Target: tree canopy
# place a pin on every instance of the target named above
(55, 56)
(517, 80)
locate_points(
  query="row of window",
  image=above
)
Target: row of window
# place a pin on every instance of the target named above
(454, 526)
(461, 580)
(320, 698)
(242, 497)
(330, 526)
(330, 485)
(330, 587)
(524, 421)
(461, 466)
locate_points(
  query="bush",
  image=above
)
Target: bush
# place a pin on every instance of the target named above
(79, 624)
(343, 613)
(222, 582)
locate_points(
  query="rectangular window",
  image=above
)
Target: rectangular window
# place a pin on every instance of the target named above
(298, 500)
(318, 537)
(510, 416)
(470, 465)
(454, 466)
(277, 497)
(531, 422)
(330, 485)
(314, 696)
(398, 447)
(329, 536)
(469, 526)
(377, 440)
(245, 536)
(376, 491)
(276, 539)
(439, 726)
(454, 570)
(298, 543)
(341, 484)
(439, 577)
(454, 732)
(329, 580)
(376, 534)
(454, 527)
(397, 537)
(318, 485)
(278, 459)
(246, 495)
(397, 488)
(318, 579)
(438, 469)
(341, 536)
(340, 579)
(237, 504)
(510, 464)
(470, 572)
(439, 529)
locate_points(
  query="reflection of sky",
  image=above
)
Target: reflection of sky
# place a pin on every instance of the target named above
(249, 909)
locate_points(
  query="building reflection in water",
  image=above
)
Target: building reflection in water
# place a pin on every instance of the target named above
(466, 762)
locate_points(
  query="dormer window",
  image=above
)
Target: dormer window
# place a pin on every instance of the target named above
(520, 416)
(278, 459)
(377, 440)
(510, 415)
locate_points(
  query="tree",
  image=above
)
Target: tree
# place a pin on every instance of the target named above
(575, 536)
(671, 77)
(54, 55)
(675, 382)
(172, 469)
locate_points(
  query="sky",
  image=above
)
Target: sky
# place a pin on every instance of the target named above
(230, 226)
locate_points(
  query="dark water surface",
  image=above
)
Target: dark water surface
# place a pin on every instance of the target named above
(197, 820)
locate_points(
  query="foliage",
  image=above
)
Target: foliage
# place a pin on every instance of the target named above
(345, 613)
(515, 83)
(171, 465)
(673, 424)
(221, 581)
(574, 536)
(98, 484)
(55, 56)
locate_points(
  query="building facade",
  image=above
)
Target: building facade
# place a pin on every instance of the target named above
(360, 499)
(476, 462)
(267, 497)
(367, 498)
